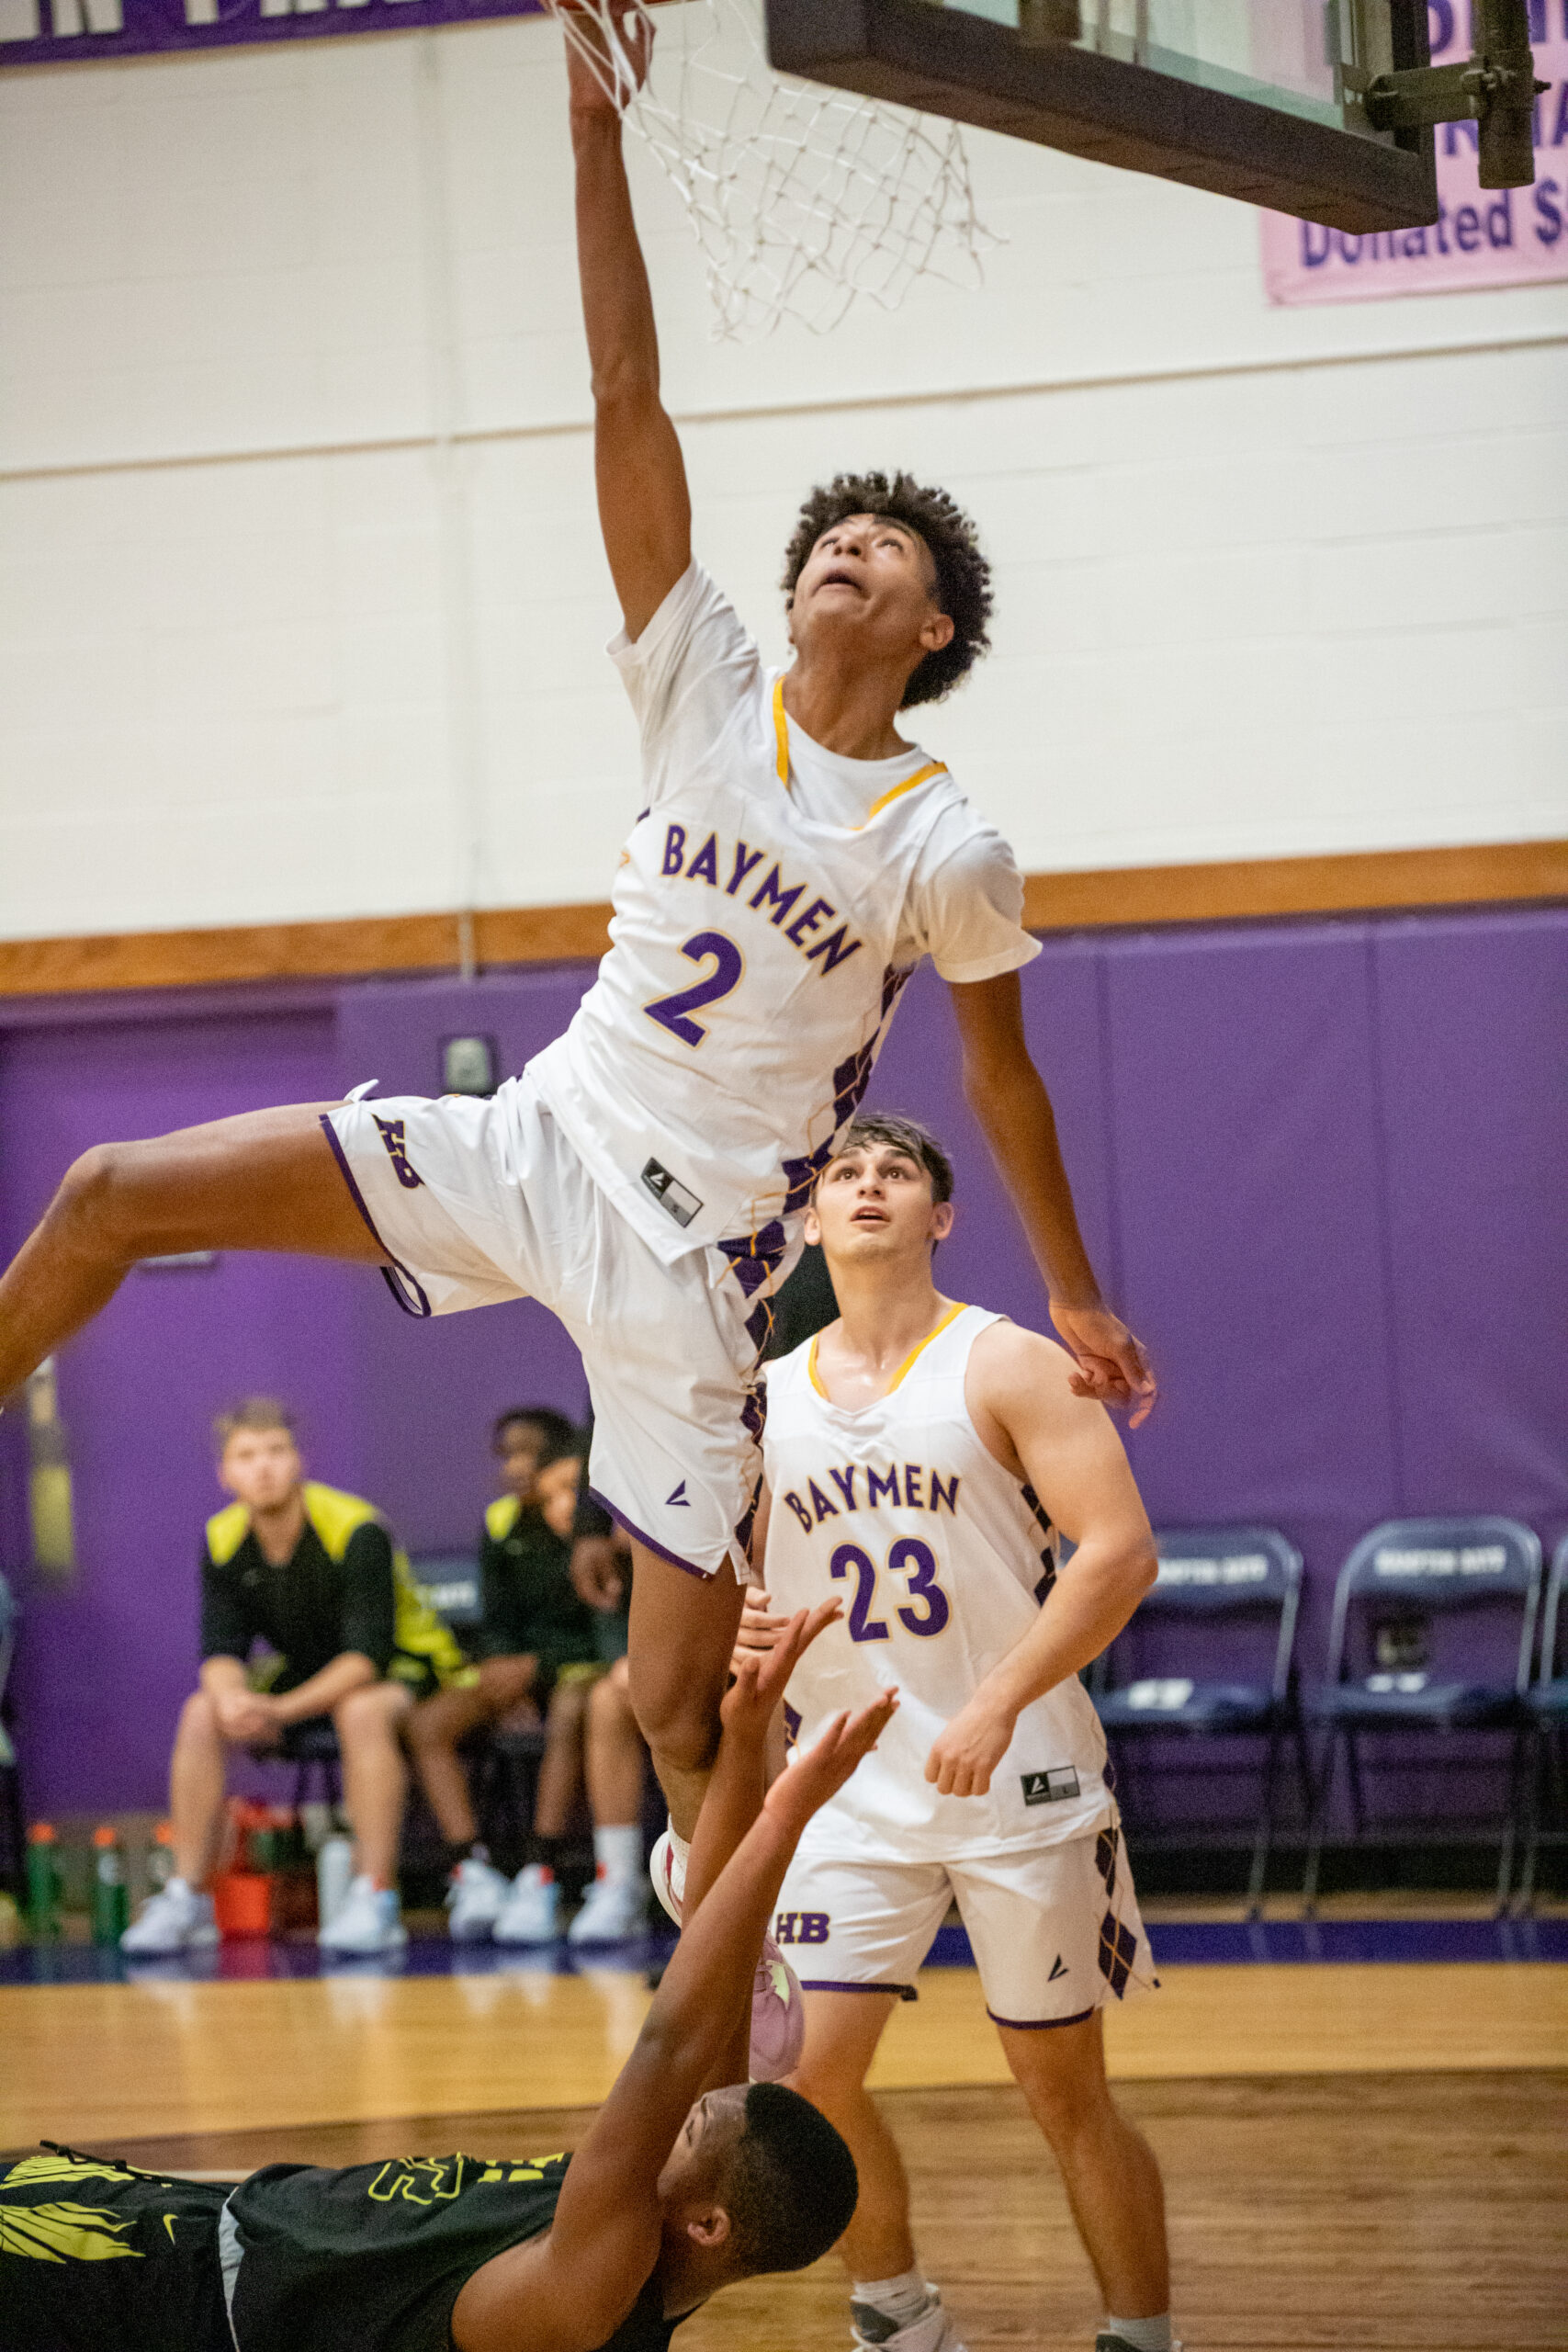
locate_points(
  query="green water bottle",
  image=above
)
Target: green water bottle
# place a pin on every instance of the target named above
(111, 1897)
(43, 1884)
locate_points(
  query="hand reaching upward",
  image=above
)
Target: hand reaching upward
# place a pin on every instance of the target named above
(606, 68)
(822, 1771)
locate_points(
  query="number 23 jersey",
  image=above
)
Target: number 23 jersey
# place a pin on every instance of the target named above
(771, 903)
(942, 1560)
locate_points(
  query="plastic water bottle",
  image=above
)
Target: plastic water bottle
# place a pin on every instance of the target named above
(334, 1875)
(43, 1884)
(111, 1897)
(161, 1857)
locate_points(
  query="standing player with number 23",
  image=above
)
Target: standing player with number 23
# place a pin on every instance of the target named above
(923, 1459)
(794, 859)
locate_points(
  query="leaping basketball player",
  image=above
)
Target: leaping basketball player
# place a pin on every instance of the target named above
(794, 859)
(923, 1459)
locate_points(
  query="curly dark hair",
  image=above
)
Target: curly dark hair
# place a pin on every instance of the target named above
(963, 574)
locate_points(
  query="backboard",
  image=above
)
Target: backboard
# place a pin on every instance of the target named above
(1251, 99)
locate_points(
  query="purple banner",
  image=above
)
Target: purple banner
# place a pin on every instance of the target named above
(65, 32)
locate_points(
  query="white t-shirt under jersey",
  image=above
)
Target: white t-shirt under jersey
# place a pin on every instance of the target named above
(772, 900)
(941, 1559)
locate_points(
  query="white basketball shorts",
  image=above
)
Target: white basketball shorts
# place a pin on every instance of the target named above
(479, 1201)
(1054, 1930)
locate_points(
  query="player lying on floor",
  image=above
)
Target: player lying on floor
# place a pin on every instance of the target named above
(687, 2181)
(924, 1459)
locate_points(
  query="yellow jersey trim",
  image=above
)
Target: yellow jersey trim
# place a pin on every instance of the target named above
(904, 1368)
(501, 1517)
(921, 775)
(781, 732)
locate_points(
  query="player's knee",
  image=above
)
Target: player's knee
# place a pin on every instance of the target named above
(198, 1719)
(88, 1209)
(368, 1716)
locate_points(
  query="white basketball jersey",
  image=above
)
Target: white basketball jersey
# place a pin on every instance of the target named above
(941, 1559)
(760, 943)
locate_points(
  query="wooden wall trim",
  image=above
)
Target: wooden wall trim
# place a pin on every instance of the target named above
(1116, 898)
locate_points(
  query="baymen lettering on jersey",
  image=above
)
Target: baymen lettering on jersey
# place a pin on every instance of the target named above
(944, 1559)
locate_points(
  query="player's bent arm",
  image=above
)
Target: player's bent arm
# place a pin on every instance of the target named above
(1008, 1098)
(1022, 1400)
(350, 1671)
(645, 508)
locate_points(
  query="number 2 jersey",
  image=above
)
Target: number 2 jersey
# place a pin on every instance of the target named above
(942, 1560)
(772, 901)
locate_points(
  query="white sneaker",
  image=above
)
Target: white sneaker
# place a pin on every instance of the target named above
(612, 1915)
(778, 2007)
(475, 1899)
(174, 1919)
(367, 1920)
(932, 2331)
(529, 1915)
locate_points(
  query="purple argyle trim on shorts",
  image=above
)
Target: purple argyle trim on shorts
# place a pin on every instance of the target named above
(826, 1984)
(397, 1273)
(652, 1542)
(1037, 2025)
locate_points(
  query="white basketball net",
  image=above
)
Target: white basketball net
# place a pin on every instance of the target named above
(802, 198)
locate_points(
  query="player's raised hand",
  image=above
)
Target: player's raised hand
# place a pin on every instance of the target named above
(967, 1750)
(822, 1771)
(759, 1627)
(762, 1676)
(605, 67)
(1112, 1365)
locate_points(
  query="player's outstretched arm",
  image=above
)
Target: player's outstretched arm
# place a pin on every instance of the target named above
(645, 509)
(1007, 1096)
(570, 2291)
(1022, 1399)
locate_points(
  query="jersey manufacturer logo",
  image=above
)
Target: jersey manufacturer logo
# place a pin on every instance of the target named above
(1058, 1968)
(801, 1928)
(667, 1191)
(391, 1131)
(681, 1497)
(1050, 1787)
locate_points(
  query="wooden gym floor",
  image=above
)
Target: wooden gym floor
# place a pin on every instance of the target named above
(1365, 2156)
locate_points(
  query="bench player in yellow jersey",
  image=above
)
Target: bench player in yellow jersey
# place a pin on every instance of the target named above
(795, 859)
(923, 1459)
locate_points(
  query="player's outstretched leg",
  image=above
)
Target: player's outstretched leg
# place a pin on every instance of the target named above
(265, 1181)
(680, 1637)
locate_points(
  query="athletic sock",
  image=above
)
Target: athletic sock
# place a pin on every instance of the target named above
(617, 1851)
(464, 1849)
(902, 2301)
(1143, 2334)
(680, 1855)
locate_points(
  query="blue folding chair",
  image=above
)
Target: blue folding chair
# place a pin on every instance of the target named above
(1247, 1579)
(1546, 1706)
(1399, 1582)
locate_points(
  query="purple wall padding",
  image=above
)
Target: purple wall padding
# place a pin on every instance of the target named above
(1321, 1164)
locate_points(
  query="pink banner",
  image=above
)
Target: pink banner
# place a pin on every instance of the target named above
(1482, 237)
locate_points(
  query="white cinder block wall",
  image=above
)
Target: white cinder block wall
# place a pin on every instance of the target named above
(301, 600)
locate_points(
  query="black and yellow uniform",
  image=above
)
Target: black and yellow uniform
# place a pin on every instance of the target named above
(96, 2257)
(529, 1606)
(346, 1587)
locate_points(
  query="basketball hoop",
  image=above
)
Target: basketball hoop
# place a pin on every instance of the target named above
(802, 198)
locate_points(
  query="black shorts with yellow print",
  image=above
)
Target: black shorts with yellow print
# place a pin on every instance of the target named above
(98, 2257)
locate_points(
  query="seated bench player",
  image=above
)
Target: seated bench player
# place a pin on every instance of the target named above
(534, 1646)
(923, 1458)
(314, 1575)
(688, 2177)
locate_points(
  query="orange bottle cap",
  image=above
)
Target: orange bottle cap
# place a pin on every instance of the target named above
(165, 1834)
(106, 1836)
(41, 1833)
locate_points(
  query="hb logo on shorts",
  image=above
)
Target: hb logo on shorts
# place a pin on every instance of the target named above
(397, 1152)
(801, 1928)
